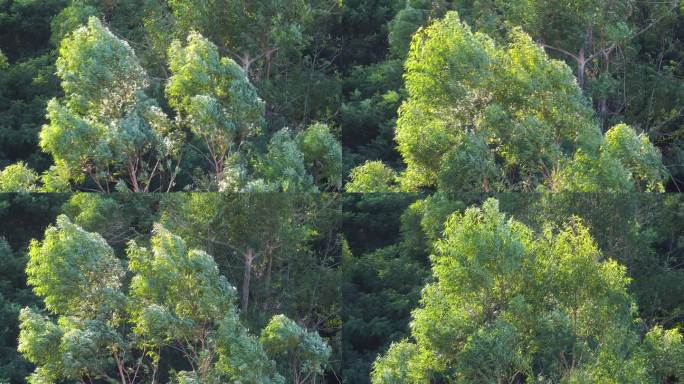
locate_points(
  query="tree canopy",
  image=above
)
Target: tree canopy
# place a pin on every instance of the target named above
(97, 328)
(480, 116)
(364, 191)
(511, 305)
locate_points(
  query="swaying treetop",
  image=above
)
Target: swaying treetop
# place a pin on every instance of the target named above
(212, 92)
(100, 73)
(510, 305)
(106, 131)
(322, 155)
(18, 178)
(74, 271)
(524, 109)
(481, 116)
(625, 162)
(105, 127)
(372, 177)
(98, 327)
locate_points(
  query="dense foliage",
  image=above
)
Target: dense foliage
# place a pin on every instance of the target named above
(176, 299)
(118, 294)
(142, 111)
(503, 165)
(479, 117)
(387, 266)
(511, 305)
(536, 84)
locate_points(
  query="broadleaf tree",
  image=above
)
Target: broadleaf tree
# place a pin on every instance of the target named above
(106, 128)
(122, 320)
(483, 116)
(512, 305)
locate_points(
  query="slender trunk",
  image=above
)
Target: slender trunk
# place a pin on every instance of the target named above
(134, 178)
(603, 103)
(119, 366)
(268, 271)
(267, 282)
(246, 63)
(581, 65)
(247, 276)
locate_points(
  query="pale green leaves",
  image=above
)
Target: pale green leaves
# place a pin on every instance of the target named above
(175, 296)
(637, 155)
(322, 155)
(106, 127)
(198, 70)
(401, 364)
(4, 63)
(307, 352)
(107, 134)
(100, 72)
(309, 161)
(39, 342)
(283, 168)
(74, 271)
(482, 116)
(69, 130)
(509, 304)
(665, 349)
(172, 280)
(18, 178)
(242, 356)
(625, 162)
(80, 280)
(216, 101)
(525, 110)
(373, 176)
(213, 97)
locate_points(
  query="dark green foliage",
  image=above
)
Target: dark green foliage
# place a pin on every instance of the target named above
(27, 79)
(25, 88)
(25, 26)
(22, 216)
(381, 279)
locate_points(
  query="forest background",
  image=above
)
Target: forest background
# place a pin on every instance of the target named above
(323, 83)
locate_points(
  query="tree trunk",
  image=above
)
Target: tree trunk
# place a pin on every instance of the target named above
(246, 277)
(581, 65)
(267, 279)
(134, 178)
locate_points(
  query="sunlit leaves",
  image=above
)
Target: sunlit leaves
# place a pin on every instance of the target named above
(213, 93)
(181, 282)
(283, 168)
(322, 155)
(106, 127)
(98, 320)
(373, 176)
(74, 271)
(625, 162)
(100, 72)
(525, 110)
(305, 353)
(18, 178)
(510, 304)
